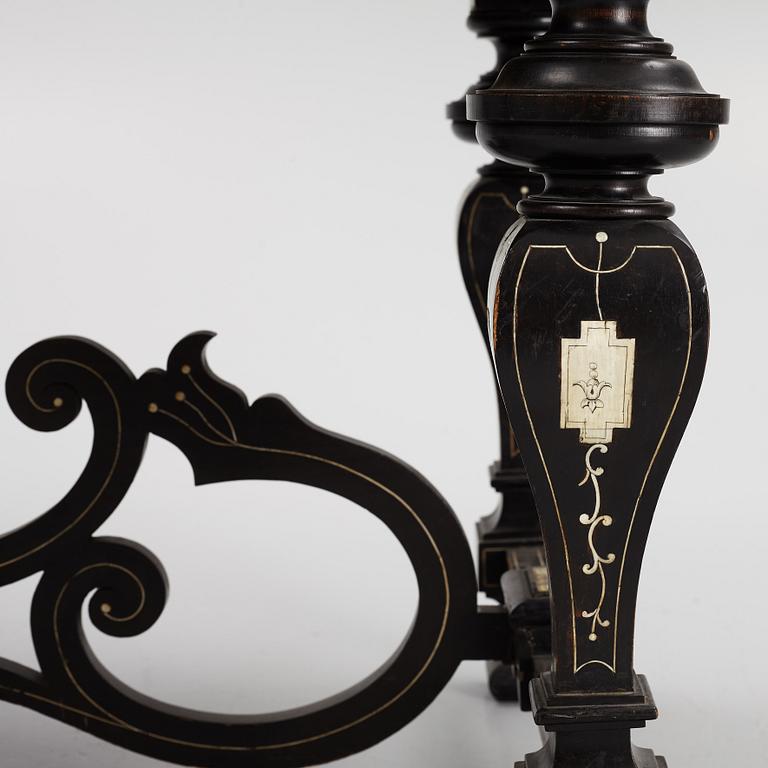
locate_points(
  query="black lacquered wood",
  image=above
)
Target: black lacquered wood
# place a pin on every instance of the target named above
(510, 536)
(597, 85)
(599, 329)
(508, 24)
(224, 438)
(488, 210)
(646, 281)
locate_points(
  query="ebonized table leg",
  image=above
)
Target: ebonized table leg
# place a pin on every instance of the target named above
(599, 329)
(509, 538)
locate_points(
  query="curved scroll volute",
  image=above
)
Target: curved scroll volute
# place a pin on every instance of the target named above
(224, 439)
(45, 387)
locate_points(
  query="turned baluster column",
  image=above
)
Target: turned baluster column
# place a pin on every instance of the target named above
(509, 537)
(599, 330)
(488, 210)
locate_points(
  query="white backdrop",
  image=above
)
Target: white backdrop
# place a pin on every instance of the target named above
(282, 173)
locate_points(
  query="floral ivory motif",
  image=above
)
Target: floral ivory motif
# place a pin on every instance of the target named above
(593, 522)
(597, 372)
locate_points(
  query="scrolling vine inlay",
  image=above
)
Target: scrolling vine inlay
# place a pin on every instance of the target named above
(597, 382)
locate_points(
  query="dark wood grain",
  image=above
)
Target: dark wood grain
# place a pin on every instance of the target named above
(510, 536)
(125, 588)
(598, 330)
(599, 325)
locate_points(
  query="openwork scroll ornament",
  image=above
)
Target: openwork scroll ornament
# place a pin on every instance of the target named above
(125, 587)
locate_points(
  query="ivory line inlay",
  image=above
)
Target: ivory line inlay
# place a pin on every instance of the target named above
(232, 443)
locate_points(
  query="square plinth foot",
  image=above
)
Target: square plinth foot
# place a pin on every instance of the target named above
(606, 749)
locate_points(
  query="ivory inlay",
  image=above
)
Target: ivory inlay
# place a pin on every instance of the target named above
(597, 373)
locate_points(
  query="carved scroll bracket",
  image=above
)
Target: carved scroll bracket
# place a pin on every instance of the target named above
(224, 438)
